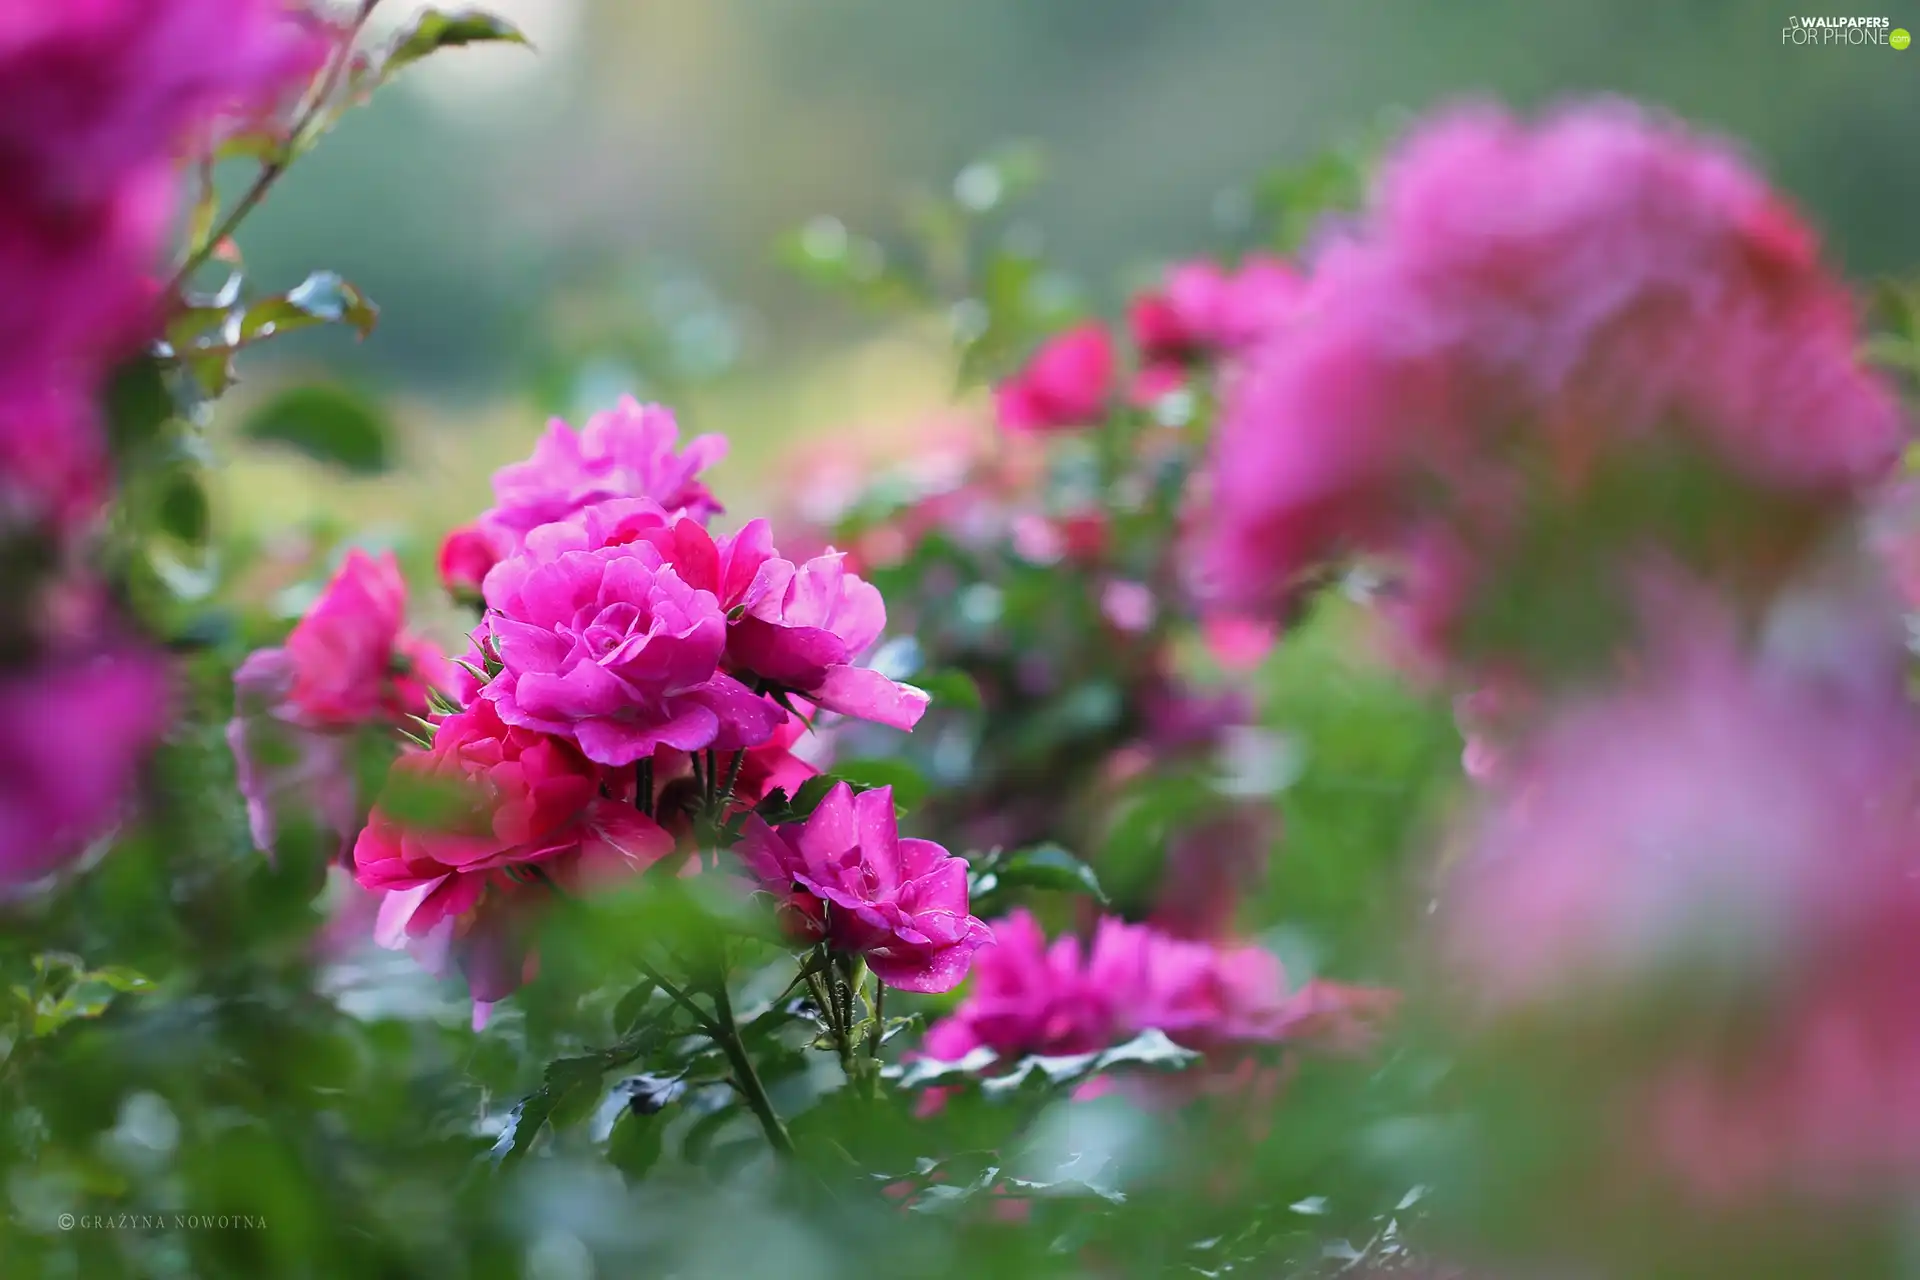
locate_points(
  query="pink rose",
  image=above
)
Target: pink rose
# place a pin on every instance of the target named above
(496, 810)
(613, 650)
(798, 628)
(352, 661)
(846, 876)
(624, 452)
(283, 764)
(1066, 384)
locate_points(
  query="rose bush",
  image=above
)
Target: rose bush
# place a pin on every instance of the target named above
(1046, 851)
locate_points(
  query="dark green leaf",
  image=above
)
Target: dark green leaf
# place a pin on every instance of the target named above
(909, 786)
(1048, 866)
(137, 405)
(328, 424)
(437, 29)
(951, 688)
(627, 1013)
(634, 1145)
(183, 508)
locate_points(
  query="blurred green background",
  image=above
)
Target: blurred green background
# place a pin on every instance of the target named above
(543, 230)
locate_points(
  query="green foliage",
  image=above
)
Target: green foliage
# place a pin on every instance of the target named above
(327, 423)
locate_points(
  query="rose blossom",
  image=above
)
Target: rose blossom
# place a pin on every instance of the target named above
(623, 452)
(1524, 309)
(846, 876)
(496, 809)
(349, 662)
(795, 627)
(613, 650)
(1065, 384)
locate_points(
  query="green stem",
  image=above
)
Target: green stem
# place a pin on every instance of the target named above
(727, 1035)
(643, 786)
(682, 999)
(271, 170)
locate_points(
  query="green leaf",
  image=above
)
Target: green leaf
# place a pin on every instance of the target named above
(627, 1013)
(437, 29)
(183, 509)
(909, 786)
(327, 423)
(563, 1080)
(635, 1144)
(951, 688)
(1048, 866)
(1151, 1049)
(137, 405)
(322, 298)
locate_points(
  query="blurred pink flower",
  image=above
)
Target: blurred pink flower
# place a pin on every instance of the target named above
(1238, 644)
(348, 663)
(1713, 817)
(1128, 605)
(75, 734)
(1066, 384)
(466, 835)
(103, 97)
(352, 660)
(624, 452)
(103, 90)
(613, 650)
(1522, 307)
(846, 875)
(1030, 996)
(1202, 309)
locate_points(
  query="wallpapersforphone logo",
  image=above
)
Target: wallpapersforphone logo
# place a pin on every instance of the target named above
(1843, 31)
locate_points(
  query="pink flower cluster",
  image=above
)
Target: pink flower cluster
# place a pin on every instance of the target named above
(1030, 996)
(103, 98)
(1523, 308)
(618, 631)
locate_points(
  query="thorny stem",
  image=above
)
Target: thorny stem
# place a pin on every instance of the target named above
(681, 998)
(713, 779)
(727, 1035)
(879, 1015)
(733, 776)
(271, 170)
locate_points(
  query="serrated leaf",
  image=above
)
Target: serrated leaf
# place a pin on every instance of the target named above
(328, 424)
(1150, 1049)
(437, 29)
(635, 1144)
